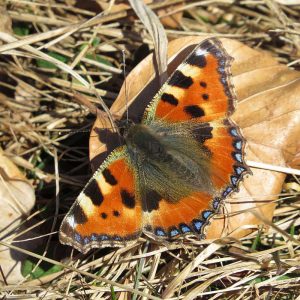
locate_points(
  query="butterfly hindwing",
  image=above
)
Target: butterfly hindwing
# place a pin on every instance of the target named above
(200, 93)
(107, 212)
(170, 220)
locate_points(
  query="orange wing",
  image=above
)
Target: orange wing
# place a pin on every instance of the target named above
(199, 89)
(200, 92)
(106, 213)
(183, 217)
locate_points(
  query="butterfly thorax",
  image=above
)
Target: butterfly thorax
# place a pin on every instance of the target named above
(167, 161)
(146, 143)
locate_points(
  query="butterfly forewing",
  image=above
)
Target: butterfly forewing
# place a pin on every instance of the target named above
(199, 89)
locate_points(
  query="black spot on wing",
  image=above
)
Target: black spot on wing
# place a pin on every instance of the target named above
(203, 84)
(203, 133)
(197, 60)
(151, 201)
(194, 111)
(79, 215)
(103, 215)
(169, 98)
(93, 191)
(127, 199)
(180, 80)
(205, 96)
(116, 213)
(109, 178)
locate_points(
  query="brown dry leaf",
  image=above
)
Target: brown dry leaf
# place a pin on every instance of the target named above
(17, 198)
(267, 112)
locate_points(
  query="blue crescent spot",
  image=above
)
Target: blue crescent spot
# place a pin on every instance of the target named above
(185, 228)
(238, 157)
(206, 214)
(238, 145)
(227, 191)
(104, 237)
(234, 180)
(174, 232)
(160, 232)
(198, 225)
(218, 54)
(222, 62)
(239, 170)
(86, 240)
(216, 203)
(94, 237)
(78, 237)
(233, 132)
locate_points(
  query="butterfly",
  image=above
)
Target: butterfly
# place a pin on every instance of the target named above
(175, 167)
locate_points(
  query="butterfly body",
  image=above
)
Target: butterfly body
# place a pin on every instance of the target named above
(174, 169)
(167, 161)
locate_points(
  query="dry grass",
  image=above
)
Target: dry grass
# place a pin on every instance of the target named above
(45, 132)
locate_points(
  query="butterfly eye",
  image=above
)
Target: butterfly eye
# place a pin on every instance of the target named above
(124, 127)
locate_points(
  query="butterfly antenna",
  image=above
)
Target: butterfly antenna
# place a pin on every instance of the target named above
(72, 132)
(125, 85)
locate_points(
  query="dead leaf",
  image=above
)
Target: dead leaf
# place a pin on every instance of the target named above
(267, 112)
(17, 198)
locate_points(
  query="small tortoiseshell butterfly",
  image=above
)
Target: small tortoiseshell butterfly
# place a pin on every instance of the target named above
(175, 167)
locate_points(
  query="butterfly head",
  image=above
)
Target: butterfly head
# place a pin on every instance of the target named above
(124, 126)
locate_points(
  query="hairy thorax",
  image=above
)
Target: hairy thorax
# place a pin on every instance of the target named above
(168, 160)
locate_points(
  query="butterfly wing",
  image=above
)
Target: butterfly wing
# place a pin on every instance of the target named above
(199, 89)
(200, 92)
(106, 213)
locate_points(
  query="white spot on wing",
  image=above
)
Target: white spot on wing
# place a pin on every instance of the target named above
(71, 221)
(177, 92)
(200, 52)
(190, 71)
(86, 204)
(104, 186)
